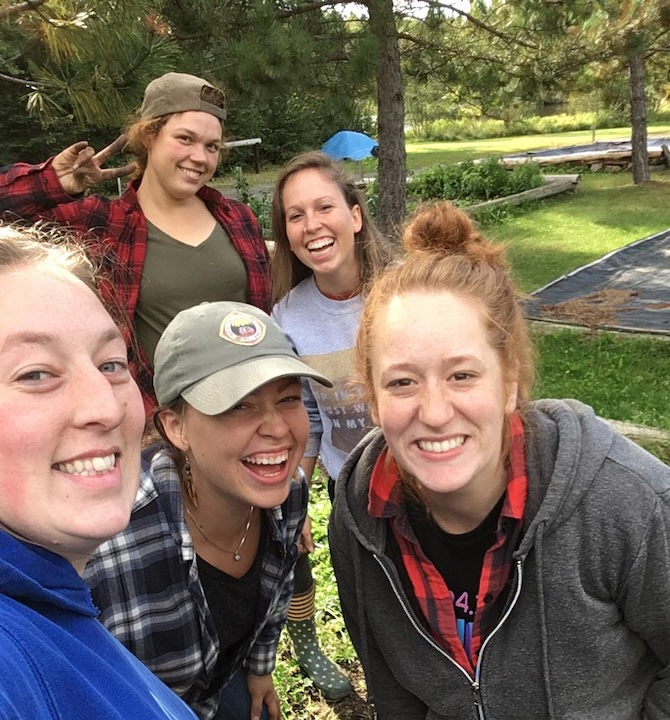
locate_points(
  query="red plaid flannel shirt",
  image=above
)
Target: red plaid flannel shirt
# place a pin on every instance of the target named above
(33, 192)
(385, 500)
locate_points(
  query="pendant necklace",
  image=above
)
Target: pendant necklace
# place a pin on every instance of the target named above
(235, 553)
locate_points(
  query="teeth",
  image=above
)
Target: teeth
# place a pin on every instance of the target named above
(267, 459)
(192, 173)
(90, 466)
(320, 243)
(443, 446)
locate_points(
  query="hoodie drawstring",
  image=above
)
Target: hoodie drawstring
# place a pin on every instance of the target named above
(543, 621)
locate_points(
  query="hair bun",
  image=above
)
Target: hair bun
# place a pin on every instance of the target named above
(442, 229)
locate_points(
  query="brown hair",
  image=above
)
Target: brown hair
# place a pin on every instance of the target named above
(178, 406)
(447, 254)
(373, 251)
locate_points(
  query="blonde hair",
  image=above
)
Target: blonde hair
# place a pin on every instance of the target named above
(52, 247)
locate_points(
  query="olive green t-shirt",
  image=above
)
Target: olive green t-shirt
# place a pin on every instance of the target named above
(177, 276)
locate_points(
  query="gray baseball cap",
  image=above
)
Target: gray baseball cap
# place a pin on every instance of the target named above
(214, 354)
(179, 92)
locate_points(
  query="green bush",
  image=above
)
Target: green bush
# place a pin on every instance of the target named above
(470, 182)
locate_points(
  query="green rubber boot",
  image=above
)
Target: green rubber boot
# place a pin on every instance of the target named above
(323, 672)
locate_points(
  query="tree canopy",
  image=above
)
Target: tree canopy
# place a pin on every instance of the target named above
(297, 71)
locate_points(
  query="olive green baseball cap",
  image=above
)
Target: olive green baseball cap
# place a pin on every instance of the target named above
(180, 92)
(214, 354)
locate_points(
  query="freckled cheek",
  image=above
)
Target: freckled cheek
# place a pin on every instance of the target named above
(294, 236)
(393, 417)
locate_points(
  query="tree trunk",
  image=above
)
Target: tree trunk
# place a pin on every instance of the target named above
(390, 118)
(638, 118)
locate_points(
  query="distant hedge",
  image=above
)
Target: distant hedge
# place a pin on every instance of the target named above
(483, 128)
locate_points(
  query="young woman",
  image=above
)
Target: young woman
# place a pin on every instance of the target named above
(72, 420)
(174, 241)
(198, 586)
(327, 250)
(496, 558)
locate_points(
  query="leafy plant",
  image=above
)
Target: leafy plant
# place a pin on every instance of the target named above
(261, 205)
(470, 182)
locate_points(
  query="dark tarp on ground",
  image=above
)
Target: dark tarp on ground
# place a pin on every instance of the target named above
(629, 289)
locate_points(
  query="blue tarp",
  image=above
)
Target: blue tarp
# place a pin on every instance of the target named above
(349, 145)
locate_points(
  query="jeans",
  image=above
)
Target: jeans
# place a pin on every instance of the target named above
(235, 701)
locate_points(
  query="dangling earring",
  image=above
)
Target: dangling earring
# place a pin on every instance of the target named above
(189, 487)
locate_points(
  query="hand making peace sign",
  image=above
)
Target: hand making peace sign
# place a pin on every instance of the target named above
(78, 167)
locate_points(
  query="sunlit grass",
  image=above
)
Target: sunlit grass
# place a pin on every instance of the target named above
(623, 377)
(424, 154)
(552, 237)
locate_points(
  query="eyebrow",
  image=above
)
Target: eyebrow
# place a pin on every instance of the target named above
(189, 131)
(447, 362)
(29, 337)
(316, 200)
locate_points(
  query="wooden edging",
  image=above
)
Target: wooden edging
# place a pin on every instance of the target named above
(549, 326)
(554, 185)
(639, 431)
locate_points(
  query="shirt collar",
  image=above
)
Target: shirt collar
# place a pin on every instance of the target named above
(385, 492)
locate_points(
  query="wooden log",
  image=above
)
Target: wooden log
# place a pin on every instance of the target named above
(562, 184)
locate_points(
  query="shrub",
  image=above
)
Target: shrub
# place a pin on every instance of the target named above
(472, 182)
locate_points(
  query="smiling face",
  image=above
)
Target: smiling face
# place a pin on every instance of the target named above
(249, 454)
(320, 226)
(72, 415)
(184, 155)
(440, 396)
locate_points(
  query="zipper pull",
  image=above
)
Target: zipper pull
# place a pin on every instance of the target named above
(476, 695)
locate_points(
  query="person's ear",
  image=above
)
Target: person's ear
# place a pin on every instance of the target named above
(175, 429)
(374, 415)
(357, 217)
(512, 390)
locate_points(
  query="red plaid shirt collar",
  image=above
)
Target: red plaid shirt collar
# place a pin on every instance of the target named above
(385, 501)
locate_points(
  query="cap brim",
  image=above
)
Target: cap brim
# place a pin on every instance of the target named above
(224, 389)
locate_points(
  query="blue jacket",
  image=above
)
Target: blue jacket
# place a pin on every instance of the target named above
(56, 659)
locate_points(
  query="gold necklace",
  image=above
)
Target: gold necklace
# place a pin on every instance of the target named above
(235, 553)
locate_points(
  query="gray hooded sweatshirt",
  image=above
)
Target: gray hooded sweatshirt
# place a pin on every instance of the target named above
(585, 634)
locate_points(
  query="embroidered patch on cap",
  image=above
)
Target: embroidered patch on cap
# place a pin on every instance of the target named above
(242, 329)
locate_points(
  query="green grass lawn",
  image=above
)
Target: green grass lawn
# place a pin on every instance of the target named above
(557, 235)
(623, 377)
(424, 154)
